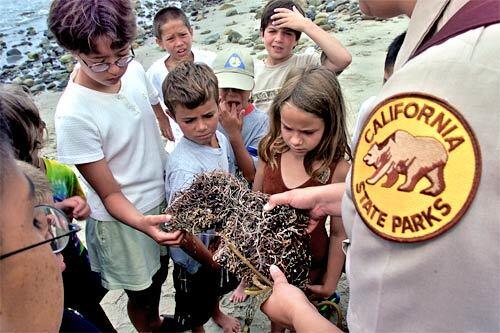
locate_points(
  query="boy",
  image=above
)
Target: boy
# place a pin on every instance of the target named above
(106, 127)
(281, 25)
(174, 34)
(239, 120)
(191, 95)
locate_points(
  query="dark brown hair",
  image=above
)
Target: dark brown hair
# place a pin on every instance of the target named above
(23, 119)
(77, 24)
(268, 11)
(191, 85)
(168, 14)
(315, 90)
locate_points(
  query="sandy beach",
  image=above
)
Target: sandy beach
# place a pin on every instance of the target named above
(366, 39)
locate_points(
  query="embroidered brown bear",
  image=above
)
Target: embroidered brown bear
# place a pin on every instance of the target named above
(413, 156)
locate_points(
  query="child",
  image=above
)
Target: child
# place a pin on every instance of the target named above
(281, 25)
(308, 135)
(191, 95)
(174, 34)
(27, 139)
(105, 124)
(239, 120)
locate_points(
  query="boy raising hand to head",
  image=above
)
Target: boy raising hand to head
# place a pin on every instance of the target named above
(281, 25)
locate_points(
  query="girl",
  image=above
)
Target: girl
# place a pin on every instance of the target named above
(308, 135)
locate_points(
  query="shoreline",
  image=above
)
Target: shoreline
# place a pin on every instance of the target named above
(366, 39)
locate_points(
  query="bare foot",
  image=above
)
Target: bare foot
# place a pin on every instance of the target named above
(239, 295)
(227, 323)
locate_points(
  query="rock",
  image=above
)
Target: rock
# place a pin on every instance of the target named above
(69, 67)
(205, 32)
(37, 88)
(29, 82)
(66, 58)
(259, 47)
(226, 6)
(320, 15)
(30, 31)
(51, 85)
(231, 23)
(17, 81)
(234, 36)
(212, 39)
(321, 21)
(258, 14)
(33, 56)
(330, 6)
(13, 52)
(232, 12)
(311, 13)
(254, 9)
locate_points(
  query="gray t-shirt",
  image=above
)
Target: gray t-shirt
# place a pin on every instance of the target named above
(186, 161)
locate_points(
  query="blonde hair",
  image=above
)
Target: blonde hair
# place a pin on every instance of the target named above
(314, 89)
(43, 190)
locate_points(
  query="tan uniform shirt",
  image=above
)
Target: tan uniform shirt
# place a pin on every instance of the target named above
(450, 282)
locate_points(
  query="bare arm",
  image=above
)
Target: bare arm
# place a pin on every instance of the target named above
(163, 122)
(232, 122)
(193, 246)
(99, 176)
(258, 182)
(337, 56)
(336, 259)
(289, 307)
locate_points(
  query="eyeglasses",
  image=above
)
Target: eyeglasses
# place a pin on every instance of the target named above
(59, 228)
(104, 66)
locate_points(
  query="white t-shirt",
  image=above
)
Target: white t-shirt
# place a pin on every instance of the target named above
(157, 73)
(269, 79)
(120, 128)
(186, 161)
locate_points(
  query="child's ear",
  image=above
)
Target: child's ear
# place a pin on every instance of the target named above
(158, 42)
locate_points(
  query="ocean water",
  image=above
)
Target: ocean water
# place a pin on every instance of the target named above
(15, 18)
(16, 15)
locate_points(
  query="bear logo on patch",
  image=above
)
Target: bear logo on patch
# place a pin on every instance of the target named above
(416, 168)
(414, 156)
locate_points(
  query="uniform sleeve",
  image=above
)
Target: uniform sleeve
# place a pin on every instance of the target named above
(78, 140)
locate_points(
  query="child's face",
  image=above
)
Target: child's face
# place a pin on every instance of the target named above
(199, 124)
(176, 39)
(302, 131)
(235, 96)
(279, 43)
(103, 54)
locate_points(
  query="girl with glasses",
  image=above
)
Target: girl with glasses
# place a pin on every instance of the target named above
(106, 125)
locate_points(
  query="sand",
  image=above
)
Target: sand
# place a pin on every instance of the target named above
(367, 40)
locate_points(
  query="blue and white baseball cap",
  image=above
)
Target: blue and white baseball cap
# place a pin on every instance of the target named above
(234, 69)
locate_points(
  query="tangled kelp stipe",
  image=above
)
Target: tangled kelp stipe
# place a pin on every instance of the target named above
(251, 240)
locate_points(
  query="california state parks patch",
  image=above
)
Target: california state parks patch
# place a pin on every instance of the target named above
(416, 168)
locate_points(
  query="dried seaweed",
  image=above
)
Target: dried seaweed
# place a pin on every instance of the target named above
(252, 240)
